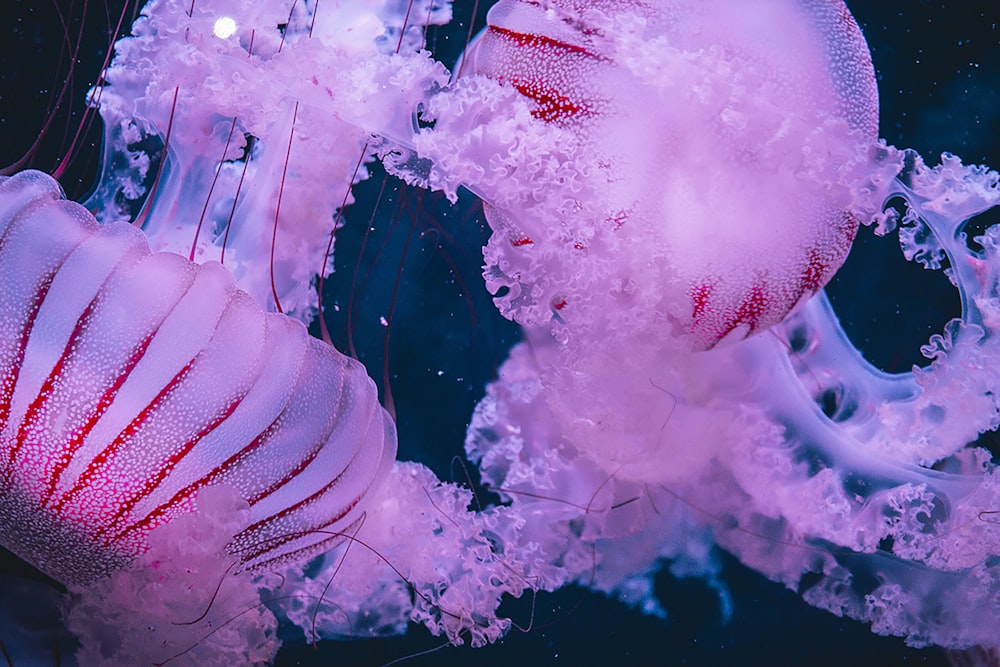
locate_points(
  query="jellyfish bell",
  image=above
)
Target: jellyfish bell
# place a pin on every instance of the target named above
(102, 443)
(652, 174)
(726, 171)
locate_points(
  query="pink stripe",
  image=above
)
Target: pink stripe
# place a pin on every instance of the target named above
(166, 467)
(530, 40)
(275, 542)
(10, 380)
(102, 405)
(274, 518)
(112, 450)
(289, 476)
(154, 518)
(312, 548)
(36, 411)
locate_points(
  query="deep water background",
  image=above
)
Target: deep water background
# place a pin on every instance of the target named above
(938, 65)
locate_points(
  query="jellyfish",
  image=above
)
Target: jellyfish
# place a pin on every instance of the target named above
(569, 391)
(852, 487)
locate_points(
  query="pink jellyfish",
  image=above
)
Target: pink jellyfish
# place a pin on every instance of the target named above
(132, 381)
(122, 398)
(878, 509)
(752, 147)
(613, 447)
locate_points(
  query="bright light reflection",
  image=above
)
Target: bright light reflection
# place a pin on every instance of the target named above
(224, 27)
